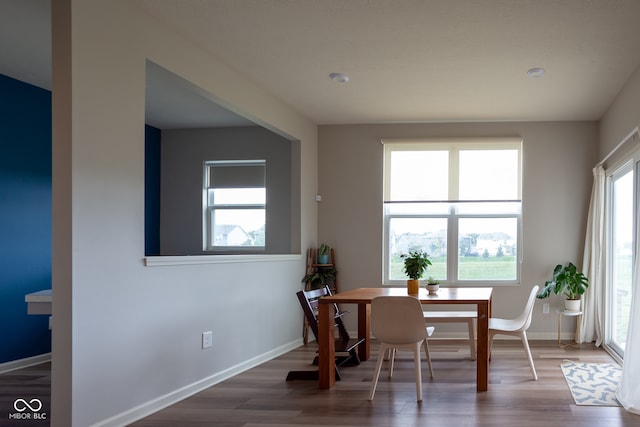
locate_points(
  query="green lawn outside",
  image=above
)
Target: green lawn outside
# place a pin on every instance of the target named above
(470, 268)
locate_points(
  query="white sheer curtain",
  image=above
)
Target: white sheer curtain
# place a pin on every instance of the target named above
(628, 393)
(593, 264)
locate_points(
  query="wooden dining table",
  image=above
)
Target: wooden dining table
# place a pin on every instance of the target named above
(481, 297)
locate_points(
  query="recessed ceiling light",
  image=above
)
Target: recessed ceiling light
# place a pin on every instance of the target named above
(339, 77)
(535, 73)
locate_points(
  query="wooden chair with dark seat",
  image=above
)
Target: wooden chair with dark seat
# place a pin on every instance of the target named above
(345, 346)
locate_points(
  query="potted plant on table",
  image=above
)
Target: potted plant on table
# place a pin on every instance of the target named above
(567, 281)
(415, 265)
(433, 285)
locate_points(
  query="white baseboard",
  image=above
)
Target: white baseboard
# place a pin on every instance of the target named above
(23, 363)
(159, 403)
(531, 336)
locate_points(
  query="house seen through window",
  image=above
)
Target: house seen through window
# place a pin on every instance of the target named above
(458, 200)
(235, 206)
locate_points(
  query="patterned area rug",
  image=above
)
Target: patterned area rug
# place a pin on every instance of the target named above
(592, 384)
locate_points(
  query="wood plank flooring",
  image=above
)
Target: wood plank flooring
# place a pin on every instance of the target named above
(261, 397)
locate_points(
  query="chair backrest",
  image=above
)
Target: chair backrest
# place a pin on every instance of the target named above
(397, 319)
(309, 303)
(524, 320)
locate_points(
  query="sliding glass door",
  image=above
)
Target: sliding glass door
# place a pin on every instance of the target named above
(622, 211)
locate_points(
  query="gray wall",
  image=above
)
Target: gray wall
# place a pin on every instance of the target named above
(183, 153)
(622, 117)
(142, 325)
(557, 156)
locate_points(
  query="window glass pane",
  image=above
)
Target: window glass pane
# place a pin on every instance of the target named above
(489, 175)
(413, 172)
(622, 241)
(427, 234)
(237, 227)
(237, 196)
(487, 248)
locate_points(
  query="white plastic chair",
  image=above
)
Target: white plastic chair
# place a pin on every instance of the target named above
(517, 327)
(397, 322)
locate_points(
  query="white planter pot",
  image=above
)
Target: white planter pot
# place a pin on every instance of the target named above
(572, 304)
(433, 289)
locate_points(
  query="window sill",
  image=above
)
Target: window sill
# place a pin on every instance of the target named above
(160, 261)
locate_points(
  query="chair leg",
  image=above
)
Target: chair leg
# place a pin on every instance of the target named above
(426, 350)
(376, 374)
(472, 341)
(416, 361)
(491, 335)
(392, 358)
(527, 350)
(387, 354)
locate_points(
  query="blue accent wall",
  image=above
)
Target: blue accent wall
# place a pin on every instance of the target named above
(25, 216)
(152, 138)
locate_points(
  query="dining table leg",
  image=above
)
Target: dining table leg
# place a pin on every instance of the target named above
(326, 346)
(482, 359)
(364, 328)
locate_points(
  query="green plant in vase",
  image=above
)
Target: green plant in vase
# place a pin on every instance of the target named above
(415, 265)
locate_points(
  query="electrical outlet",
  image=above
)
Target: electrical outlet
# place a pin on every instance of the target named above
(207, 339)
(545, 308)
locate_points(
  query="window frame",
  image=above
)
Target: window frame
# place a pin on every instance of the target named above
(208, 209)
(453, 146)
(628, 163)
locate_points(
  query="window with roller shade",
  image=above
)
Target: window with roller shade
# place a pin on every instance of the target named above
(460, 201)
(235, 205)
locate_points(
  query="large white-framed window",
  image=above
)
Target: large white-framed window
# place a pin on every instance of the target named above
(234, 205)
(460, 200)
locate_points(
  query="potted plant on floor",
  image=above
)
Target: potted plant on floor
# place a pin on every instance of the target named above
(567, 281)
(415, 264)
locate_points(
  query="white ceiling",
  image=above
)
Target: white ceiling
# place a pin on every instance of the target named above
(408, 60)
